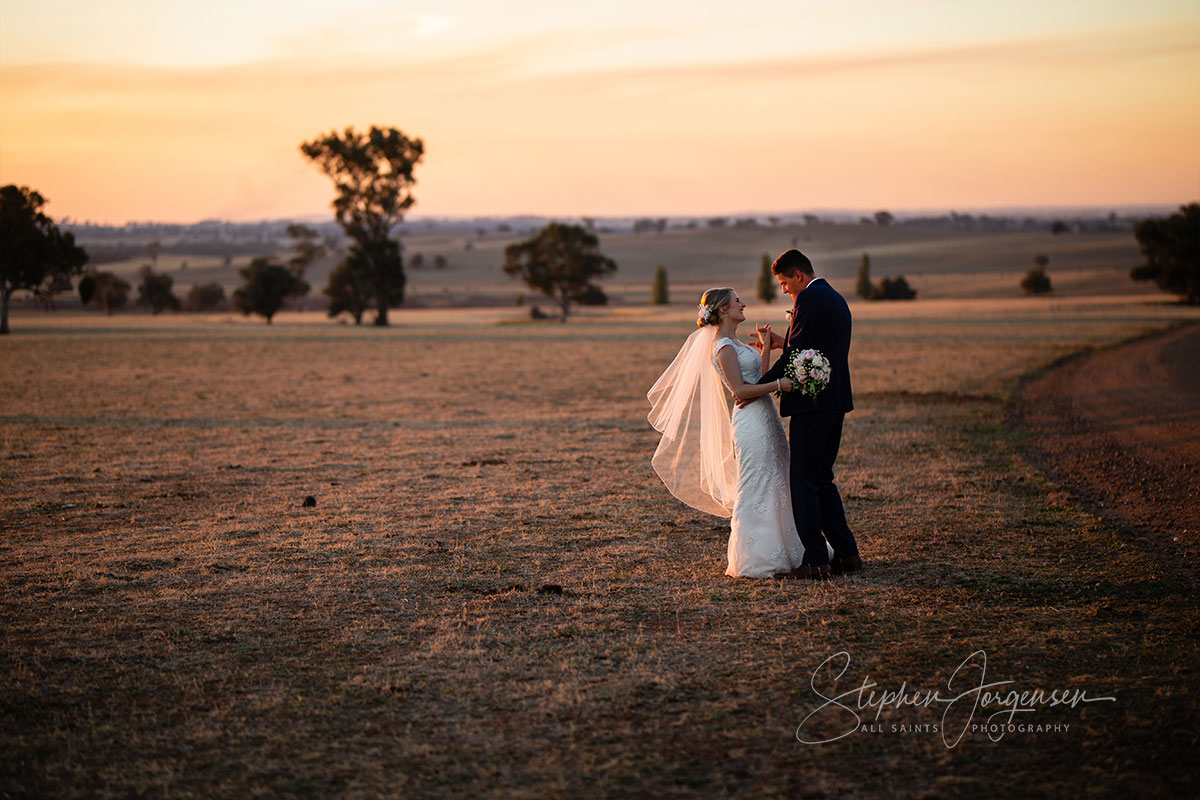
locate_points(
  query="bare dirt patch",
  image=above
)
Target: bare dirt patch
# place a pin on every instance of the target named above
(1121, 427)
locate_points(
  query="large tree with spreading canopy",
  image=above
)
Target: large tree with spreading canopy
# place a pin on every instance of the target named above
(372, 175)
(561, 262)
(34, 254)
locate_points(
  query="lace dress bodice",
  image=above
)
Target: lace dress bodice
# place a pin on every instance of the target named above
(747, 357)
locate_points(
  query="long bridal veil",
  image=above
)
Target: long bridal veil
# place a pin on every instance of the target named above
(691, 409)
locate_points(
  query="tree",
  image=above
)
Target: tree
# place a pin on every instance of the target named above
(307, 249)
(1059, 227)
(155, 291)
(766, 280)
(884, 218)
(105, 289)
(894, 289)
(152, 250)
(266, 286)
(87, 289)
(590, 295)
(863, 287)
(660, 293)
(350, 287)
(1172, 250)
(205, 297)
(1036, 281)
(372, 174)
(560, 261)
(34, 254)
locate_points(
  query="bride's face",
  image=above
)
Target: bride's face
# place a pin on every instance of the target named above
(736, 310)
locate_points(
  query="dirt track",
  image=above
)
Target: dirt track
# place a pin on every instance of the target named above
(1121, 428)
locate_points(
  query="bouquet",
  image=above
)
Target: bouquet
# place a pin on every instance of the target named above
(809, 371)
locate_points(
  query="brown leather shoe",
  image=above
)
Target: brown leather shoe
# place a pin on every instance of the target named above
(844, 564)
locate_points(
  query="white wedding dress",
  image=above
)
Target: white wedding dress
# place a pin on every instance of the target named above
(762, 539)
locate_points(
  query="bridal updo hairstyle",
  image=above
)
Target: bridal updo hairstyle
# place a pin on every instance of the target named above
(711, 303)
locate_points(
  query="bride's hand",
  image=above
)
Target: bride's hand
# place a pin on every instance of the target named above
(764, 335)
(786, 385)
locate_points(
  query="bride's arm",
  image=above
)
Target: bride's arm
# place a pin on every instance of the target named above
(742, 390)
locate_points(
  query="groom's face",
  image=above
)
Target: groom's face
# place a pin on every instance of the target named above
(792, 284)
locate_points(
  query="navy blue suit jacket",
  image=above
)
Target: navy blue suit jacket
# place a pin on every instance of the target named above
(821, 321)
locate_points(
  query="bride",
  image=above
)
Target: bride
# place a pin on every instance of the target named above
(730, 466)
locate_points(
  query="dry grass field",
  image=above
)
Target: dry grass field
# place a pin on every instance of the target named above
(494, 595)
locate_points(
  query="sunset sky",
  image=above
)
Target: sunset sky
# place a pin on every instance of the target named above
(120, 110)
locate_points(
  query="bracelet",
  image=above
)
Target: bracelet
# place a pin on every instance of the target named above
(778, 385)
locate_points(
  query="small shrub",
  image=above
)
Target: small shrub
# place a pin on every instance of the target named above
(863, 287)
(591, 295)
(894, 289)
(766, 280)
(660, 294)
(206, 297)
(1036, 281)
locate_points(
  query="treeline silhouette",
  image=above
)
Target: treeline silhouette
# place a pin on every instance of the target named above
(220, 237)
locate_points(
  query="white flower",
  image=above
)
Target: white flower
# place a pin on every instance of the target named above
(807, 354)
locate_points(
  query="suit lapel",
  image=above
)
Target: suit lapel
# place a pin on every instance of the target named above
(792, 330)
(792, 324)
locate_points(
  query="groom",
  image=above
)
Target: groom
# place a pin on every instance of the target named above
(821, 321)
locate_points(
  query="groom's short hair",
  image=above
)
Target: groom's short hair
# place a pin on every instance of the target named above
(791, 262)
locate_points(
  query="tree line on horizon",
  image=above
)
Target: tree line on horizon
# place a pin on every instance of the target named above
(373, 177)
(119, 242)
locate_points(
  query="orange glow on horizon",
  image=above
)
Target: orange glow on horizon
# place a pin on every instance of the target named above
(536, 122)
